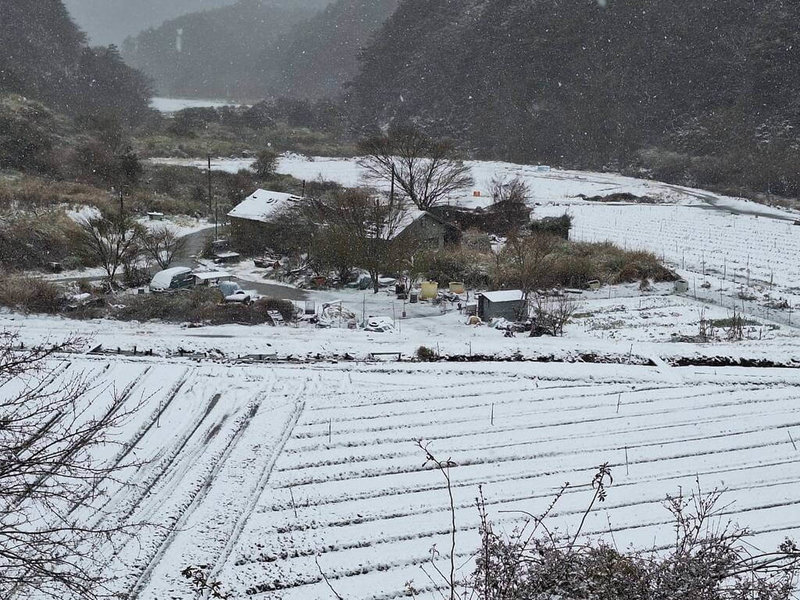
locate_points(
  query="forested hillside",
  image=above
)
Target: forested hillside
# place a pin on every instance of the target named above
(699, 92)
(320, 55)
(217, 53)
(44, 56)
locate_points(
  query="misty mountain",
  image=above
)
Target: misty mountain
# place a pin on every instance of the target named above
(712, 86)
(216, 53)
(256, 49)
(43, 55)
(111, 21)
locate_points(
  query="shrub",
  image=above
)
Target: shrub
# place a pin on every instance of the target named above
(199, 305)
(266, 163)
(707, 560)
(557, 226)
(665, 165)
(426, 354)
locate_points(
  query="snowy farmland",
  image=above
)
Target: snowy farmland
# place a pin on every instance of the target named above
(261, 471)
(275, 473)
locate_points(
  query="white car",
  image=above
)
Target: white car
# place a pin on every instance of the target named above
(241, 296)
(232, 292)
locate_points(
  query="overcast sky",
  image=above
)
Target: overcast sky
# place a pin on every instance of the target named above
(111, 21)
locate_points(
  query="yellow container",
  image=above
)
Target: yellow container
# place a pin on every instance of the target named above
(457, 287)
(429, 291)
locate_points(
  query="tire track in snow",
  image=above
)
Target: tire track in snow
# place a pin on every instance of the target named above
(262, 482)
(200, 494)
(115, 407)
(115, 499)
(196, 495)
(176, 458)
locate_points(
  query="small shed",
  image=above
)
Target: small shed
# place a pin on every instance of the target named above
(505, 304)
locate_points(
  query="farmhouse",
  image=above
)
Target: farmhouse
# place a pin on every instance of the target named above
(421, 229)
(505, 304)
(254, 221)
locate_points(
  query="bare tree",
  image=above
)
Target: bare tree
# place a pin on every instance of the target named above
(110, 240)
(162, 244)
(552, 313)
(51, 426)
(522, 263)
(509, 190)
(357, 228)
(424, 169)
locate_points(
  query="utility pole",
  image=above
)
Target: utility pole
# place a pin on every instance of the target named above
(212, 205)
(391, 191)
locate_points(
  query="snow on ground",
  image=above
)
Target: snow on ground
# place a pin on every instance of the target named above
(742, 260)
(256, 470)
(614, 321)
(547, 185)
(182, 225)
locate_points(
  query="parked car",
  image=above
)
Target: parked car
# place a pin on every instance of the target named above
(175, 278)
(232, 292)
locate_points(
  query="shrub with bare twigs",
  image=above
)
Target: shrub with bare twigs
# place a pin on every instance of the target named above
(50, 473)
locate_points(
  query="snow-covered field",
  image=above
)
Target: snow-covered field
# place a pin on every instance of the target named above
(258, 471)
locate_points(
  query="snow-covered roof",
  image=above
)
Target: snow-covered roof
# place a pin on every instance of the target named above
(262, 205)
(394, 228)
(212, 275)
(407, 219)
(503, 296)
(163, 279)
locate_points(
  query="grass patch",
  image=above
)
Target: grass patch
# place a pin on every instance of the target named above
(31, 240)
(222, 140)
(27, 192)
(566, 264)
(31, 295)
(575, 264)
